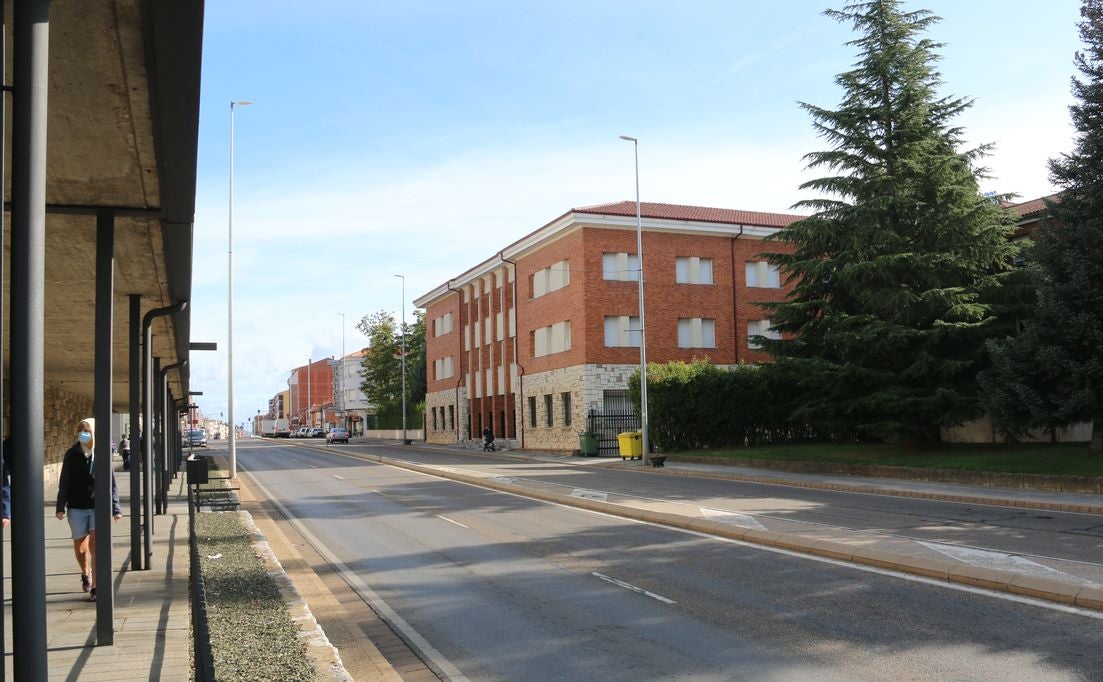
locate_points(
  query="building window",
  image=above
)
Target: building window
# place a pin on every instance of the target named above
(566, 409)
(763, 275)
(620, 267)
(615, 401)
(622, 331)
(760, 328)
(451, 417)
(551, 278)
(694, 332)
(442, 325)
(553, 339)
(442, 368)
(532, 411)
(548, 420)
(693, 270)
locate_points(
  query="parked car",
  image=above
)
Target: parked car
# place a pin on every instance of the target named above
(337, 435)
(317, 433)
(197, 438)
(302, 432)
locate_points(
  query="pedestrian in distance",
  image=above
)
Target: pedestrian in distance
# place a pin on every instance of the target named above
(124, 451)
(488, 440)
(76, 493)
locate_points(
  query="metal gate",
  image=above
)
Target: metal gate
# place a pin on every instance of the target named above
(607, 425)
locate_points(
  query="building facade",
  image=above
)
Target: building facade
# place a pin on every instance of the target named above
(353, 410)
(310, 393)
(547, 331)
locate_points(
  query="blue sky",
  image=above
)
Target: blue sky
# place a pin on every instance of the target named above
(419, 137)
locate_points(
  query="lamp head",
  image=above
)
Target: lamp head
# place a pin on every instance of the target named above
(627, 138)
(240, 103)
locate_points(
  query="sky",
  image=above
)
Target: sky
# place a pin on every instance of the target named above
(418, 138)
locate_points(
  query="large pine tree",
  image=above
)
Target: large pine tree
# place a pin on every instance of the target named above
(887, 319)
(1052, 374)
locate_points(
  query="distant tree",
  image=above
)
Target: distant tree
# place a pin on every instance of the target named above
(381, 368)
(381, 371)
(888, 317)
(1055, 367)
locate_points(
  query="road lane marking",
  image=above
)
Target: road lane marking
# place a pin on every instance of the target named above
(433, 658)
(734, 518)
(590, 494)
(339, 476)
(451, 521)
(313, 466)
(1001, 561)
(627, 586)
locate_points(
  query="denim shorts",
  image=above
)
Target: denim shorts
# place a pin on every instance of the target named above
(82, 522)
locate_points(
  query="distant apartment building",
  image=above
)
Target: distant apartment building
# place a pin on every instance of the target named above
(546, 332)
(352, 410)
(310, 394)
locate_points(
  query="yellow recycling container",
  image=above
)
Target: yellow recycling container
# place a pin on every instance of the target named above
(631, 444)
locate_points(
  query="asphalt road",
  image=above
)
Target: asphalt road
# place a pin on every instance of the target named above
(491, 586)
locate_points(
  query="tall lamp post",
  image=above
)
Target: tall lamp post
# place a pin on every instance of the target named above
(645, 441)
(341, 378)
(230, 299)
(403, 278)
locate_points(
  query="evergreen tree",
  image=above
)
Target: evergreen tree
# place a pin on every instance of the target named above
(1055, 367)
(887, 320)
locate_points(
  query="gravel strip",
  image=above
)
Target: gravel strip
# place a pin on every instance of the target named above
(253, 636)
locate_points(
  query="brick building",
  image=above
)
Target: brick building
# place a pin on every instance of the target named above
(570, 290)
(310, 393)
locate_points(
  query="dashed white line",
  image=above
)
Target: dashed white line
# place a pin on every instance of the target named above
(451, 521)
(627, 586)
(339, 476)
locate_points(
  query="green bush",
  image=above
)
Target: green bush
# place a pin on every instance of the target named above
(699, 405)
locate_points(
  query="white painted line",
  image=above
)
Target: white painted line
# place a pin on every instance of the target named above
(437, 661)
(639, 590)
(338, 476)
(313, 466)
(590, 494)
(1001, 561)
(451, 521)
(505, 479)
(734, 518)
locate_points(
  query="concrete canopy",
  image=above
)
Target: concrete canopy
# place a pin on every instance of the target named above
(122, 135)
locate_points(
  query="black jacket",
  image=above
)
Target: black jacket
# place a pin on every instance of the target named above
(76, 489)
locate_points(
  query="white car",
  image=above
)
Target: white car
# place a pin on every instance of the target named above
(302, 432)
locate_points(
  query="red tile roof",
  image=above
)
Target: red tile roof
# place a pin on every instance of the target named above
(694, 213)
(1030, 208)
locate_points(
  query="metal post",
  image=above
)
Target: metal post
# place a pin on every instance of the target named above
(644, 438)
(135, 421)
(28, 289)
(405, 441)
(3, 470)
(104, 477)
(156, 436)
(170, 437)
(230, 300)
(147, 422)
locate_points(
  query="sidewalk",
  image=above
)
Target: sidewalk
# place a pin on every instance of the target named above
(152, 639)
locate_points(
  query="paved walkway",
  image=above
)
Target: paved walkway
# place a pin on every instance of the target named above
(151, 607)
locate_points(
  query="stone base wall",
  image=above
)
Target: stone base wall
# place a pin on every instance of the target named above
(561, 435)
(442, 434)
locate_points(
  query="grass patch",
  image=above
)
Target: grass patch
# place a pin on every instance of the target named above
(1061, 459)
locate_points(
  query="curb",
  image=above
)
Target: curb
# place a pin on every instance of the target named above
(1070, 507)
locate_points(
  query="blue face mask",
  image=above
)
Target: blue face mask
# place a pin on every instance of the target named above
(84, 437)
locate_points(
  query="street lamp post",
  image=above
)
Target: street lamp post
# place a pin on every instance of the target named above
(404, 440)
(230, 299)
(645, 441)
(341, 378)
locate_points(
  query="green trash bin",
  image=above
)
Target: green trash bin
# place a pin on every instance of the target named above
(587, 444)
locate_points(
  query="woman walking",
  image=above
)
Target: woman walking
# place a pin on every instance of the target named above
(76, 492)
